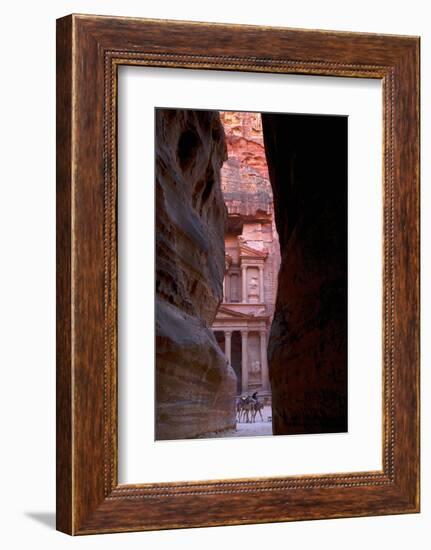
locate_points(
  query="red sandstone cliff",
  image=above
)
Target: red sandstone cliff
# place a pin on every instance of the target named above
(195, 387)
(248, 194)
(244, 138)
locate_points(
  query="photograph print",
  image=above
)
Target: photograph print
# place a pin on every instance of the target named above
(251, 274)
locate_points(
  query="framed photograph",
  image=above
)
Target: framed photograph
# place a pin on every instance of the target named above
(237, 274)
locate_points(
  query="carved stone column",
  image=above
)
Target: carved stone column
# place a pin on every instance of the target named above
(244, 283)
(227, 288)
(244, 364)
(227, 345)
(261, 291)
(264, 361)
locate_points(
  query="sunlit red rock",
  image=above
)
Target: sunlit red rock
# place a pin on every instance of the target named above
(252, 255)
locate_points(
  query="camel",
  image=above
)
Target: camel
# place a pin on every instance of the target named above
(258, 408)
(243, 408)
(247, 408)
(239, 405)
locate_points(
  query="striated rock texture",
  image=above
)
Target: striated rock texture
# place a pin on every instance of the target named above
(248, 196)
(245, 180)
(244, 140)
(195, 387)
(307, 352)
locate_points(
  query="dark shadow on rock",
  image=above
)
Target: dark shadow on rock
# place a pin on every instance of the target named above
(307, 351)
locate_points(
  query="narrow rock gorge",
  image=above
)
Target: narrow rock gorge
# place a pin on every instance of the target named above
(307, 352)
(252, 255)
(306, 167)
(195, 386)
(248, 197)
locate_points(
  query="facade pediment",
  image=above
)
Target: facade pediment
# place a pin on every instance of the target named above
(251, 253)
(227, 313)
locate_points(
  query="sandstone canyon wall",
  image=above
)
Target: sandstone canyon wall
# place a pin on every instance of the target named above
(307, 160)
(195, 386)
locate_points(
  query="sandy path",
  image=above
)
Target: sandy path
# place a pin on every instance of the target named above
(250, 429)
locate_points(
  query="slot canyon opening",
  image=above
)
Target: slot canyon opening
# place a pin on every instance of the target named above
(251, 273)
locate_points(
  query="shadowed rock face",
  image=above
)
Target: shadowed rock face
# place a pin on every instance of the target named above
(307, 352)
(195, 387)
